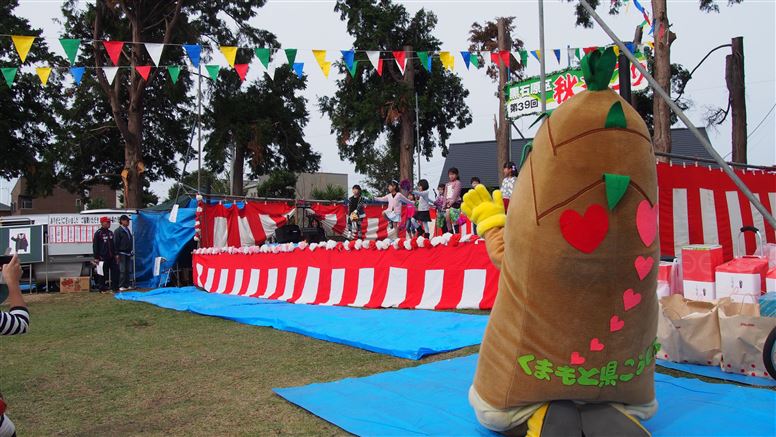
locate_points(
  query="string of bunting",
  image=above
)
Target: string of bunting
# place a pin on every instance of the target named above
(114, 49)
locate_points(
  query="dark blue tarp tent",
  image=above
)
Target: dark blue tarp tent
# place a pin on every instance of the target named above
(156, 236)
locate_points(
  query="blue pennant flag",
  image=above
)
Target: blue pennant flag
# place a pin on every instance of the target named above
(629, 46)
(557, 54)
(348, 56)
(298, 67)
(77, 73)
(466, 58)
(193, 50)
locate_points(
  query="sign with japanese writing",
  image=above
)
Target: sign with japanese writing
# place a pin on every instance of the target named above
(76, 228)
(524, 96)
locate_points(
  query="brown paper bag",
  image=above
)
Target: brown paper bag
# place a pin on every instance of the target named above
(688, 331)
(743, 333)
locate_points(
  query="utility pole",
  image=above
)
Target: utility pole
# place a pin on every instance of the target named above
(502, 129)
(734, 76)
(199, 127)
(661, 139)
(542, 73)
(417, 131)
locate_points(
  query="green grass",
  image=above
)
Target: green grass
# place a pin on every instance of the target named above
(93, 365)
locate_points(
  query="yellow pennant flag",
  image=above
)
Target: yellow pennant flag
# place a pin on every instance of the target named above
(43, 74)
(448, 60)
(230, 53)
(320, 57)
(651, 45)
(326, 67)
(616, 51)
(22, 44)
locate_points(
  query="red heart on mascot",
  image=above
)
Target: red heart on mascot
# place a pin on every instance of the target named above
(585, 232)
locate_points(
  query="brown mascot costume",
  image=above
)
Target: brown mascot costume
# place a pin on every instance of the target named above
(572, 332)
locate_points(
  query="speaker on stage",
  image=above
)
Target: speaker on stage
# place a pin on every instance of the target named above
(313, 235)
(288, 234)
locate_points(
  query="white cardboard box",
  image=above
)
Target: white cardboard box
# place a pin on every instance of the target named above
(739, 287)
(699, 290)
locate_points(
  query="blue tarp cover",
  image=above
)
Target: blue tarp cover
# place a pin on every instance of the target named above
(402, 333)
(717, 373)
(156, 236)
(432, 400)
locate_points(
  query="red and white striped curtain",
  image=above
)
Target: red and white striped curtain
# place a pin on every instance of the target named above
(701, 205)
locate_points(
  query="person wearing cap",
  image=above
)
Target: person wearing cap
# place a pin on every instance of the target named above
(125, 248)
(104, 249)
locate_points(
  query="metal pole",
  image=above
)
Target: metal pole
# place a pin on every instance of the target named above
(542, 75)
(199, 127)
(679, 113)
(417, 131)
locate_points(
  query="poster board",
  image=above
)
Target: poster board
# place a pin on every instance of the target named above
(26, 241)
(77, 228)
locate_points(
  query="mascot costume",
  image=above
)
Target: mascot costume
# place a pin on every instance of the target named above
(570, 343)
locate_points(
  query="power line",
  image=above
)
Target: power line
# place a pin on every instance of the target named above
(761, 121)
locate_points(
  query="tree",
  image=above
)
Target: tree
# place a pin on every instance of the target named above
(495, 36)
(661, 71)
(26, 108)
(373, 114)
(279, 184)
(149, 120)
(264, 123)
(330, 192)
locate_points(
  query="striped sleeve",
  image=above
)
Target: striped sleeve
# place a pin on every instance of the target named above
(14, 321)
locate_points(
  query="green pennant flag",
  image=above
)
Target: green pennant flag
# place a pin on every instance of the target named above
(263, 55)
(9, 73)
(423, 56)
(616, 185)
(212, 70)
(352, 70)
(475, 60)
(71, 48)
(175, 71)
(291, 56)
(523, 58)
(578, 53)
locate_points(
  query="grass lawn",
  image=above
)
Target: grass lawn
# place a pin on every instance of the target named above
(93, 365)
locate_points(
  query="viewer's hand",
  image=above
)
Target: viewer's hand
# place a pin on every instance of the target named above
(12, 272)
(483, 210)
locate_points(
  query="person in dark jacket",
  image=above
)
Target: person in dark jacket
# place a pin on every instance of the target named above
(104, 249)
(123, 240)
(356, 213)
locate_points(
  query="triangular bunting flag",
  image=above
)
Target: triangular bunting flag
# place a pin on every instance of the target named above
(616, 186)
(466, 58)
(523, 58)
(448, 61)
(212, 71)
(537, 54)
(77, 73)
(505, 58)
(589, 49)
(353, 69)
(557, 54)
(298, 68)
(379, 67)
(348, 56)
(494, 58)
(374, 59)
(43, 74)
(194, 51)
(114, 50)
(291, 56)
(475, 60)
(22, 44)
(9, 73)
(325, 68)
(578, 54)
(144, 71)
(175, 71)
(230, 53)
(242, 70)
(154, 51)
(263, 55)
(616, 51)
(71, 48)
(320, 57)
(425, 60)
(110, 73)
(401, 59)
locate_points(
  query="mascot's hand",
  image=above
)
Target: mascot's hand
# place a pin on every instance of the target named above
(483, 210)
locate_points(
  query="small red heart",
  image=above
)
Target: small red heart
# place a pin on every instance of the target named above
(596, 345)
(646, 222)
(615, 324)
(577, 359)
(585, 233)
(630, 299)
(644, 266)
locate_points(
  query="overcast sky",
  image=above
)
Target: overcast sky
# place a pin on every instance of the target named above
(308, 25)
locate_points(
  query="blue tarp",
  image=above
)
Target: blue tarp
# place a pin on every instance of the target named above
(717, 373)
(432, 400)
(156, 236)
(401, 333)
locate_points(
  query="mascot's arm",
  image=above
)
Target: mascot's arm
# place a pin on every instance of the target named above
(488, 214)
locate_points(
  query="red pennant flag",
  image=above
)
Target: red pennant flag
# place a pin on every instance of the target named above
(380, 67)
(144, 71)
(401, 59)
(589, 49)
(504, 58)
(114, 50)
(494, 57)
(242, 70)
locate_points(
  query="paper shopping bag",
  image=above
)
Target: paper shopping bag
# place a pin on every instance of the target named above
(743, 332)
(688, 331)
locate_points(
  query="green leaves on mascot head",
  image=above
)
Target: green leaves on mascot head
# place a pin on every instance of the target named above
(598, 67)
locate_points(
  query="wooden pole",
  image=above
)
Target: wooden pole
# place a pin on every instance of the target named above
(636, 43)
(502, 130)
(661, 138)
(734, 76)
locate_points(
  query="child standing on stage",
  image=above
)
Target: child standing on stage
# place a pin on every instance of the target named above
(439, 206)
(407, 216)
(356, 213)
(508, 184)
(395, 200)
(422, 216)
(452, 199)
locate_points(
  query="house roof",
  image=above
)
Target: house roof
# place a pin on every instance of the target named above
(478, 158)
(4, 207)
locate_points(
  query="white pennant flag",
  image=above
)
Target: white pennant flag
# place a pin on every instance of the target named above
(374, 57)
(110, 73)
(155, 51)
(270, 69)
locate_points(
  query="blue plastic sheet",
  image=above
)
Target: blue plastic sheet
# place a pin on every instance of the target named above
(156, 236)
(717, 373)
(432, 400)
(409, 334)
(768, 305)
